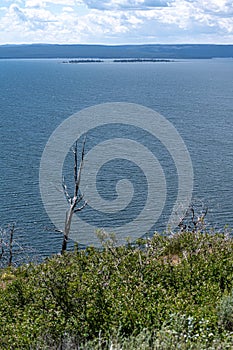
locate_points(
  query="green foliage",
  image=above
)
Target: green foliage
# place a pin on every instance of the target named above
(225, 312)
(167, 289)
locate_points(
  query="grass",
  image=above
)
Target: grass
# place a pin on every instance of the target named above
(163, 293)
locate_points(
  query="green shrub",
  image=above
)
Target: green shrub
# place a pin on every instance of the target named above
(225, 312)
(170, 286)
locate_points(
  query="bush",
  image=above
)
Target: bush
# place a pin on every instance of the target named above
(168, 286)
(225, 312)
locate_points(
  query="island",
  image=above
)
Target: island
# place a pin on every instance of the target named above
(121, 60)
(132, 60)
(84, 61)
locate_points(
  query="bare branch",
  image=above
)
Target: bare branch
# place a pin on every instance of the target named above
(80, 198)
(78, 178)
(65, 190)
(193, 222)
(80, 208)
(76, 163)
(12, 230)
(2, 248)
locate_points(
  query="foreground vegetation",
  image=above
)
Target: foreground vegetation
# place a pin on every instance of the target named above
(164, 293)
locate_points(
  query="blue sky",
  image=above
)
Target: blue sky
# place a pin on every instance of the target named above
(116, 21)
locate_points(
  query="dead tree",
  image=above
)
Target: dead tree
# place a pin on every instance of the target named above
(192, 221)
(6, 245)
(77, 196)
(12, 251)
(12, 230)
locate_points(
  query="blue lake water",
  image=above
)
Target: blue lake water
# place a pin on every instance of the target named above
(37, 95)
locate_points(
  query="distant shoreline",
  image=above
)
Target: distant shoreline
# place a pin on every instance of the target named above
(119, 52)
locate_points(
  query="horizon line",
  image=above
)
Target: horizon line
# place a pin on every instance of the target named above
(128, 44)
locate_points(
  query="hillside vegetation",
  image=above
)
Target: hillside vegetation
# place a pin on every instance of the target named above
(164, 293)
(179, 51)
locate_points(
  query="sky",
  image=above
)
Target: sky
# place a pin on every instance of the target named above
(116, 22)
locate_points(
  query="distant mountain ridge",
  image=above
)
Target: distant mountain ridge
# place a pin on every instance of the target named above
(179, 51)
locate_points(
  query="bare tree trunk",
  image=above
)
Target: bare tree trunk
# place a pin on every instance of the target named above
(69, 215)
(77, 197)
(2, 248)
(12, 230)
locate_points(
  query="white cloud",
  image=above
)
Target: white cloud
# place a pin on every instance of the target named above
(68, 9)
(35, 3)
(43, 3)
(192, 14)
(116, 21)
(61, 2)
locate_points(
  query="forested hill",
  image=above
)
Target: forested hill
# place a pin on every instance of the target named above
(184, 51)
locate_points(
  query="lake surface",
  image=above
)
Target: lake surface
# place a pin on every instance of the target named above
(37, 95)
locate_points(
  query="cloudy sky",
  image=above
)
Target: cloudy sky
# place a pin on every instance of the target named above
(116, 21)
